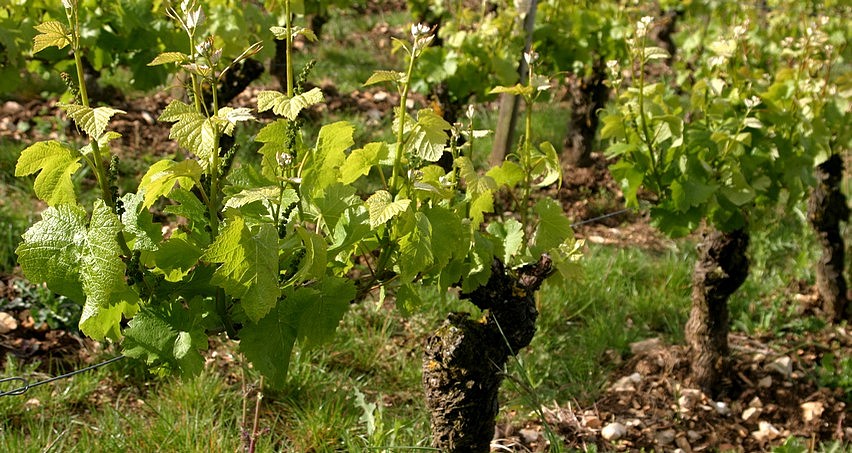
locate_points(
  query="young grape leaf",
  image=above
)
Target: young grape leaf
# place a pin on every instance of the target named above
(93, 121)
(690, 193)
(103, 143)
(55, 163)
(161, 178)
(192, 130)
(334, 200)
(314, 262)
(323, 167)
(385, 76)
(231, 116)
(50, 250)
(170, 335)
(270, 194)
(249, 265)
(177, 256)
(451, 234)
(285, 106)
(169, 57)
(322, 309)
(268, 343)
(480, 258)
(554, 228)
(509, 174)
(360, 161)
(80, 263)
(139, 222)
(51, 33)
(415, 249)
(511, 236)
(428, 137)
(100, 323)
(546, 165)
(382, 207)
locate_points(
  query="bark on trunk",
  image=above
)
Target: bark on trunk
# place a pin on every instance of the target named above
(464, 359)
(721, 268)
(588, 95)
(827, 208)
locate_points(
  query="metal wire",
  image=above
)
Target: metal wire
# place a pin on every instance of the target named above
(595, 219)
(26, 385)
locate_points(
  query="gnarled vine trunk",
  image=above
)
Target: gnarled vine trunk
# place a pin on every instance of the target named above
(588, 95)
(721, 268)
(827, 208)
(464, 359)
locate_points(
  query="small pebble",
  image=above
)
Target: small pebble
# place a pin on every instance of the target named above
(613, 431)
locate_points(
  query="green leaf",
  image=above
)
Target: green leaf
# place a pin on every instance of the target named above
(415, 249)
(546, 165)
(192, 130)
(323, 309)
(270, 195)
(428, 137)
(360, 161)
(268, 343)
(103, 143)
(51, 33)
(451, 236)
(285, 106)
(163, 175)
(408, 299)
(323, 167)
(249, 265)
(169, 335)
(177, 256)
(480, 204)
(382, 207)
(314, 262)
(655, 53)
(80, 263)
(554, 228)
(93, 121)
(281, 33)
(139, 223)
(481, 256)
(100, 323)
(169, 57)
(101, 267)
(50, 250)
(509, 174)
(332, 203)
(517, 90)
(232, 116)
(511, 235)
(385, 76)
(689, 193)
(630, 178)
(55, 163)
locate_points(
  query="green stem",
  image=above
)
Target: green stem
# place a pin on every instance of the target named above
(289, 25)
(400, 134)
(97, 159)
(527, 165)
(646, 134)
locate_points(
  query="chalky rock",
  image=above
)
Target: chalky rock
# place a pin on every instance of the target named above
(613, 431)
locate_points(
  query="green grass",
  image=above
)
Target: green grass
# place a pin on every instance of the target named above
(377, 354)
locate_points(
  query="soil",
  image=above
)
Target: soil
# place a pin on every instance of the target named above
(771, 392)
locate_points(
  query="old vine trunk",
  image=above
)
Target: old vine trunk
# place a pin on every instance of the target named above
(464, 359)
(721, 268)
(827, 208)
(588, 96)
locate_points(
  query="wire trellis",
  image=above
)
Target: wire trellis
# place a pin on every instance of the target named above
(26, 386)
